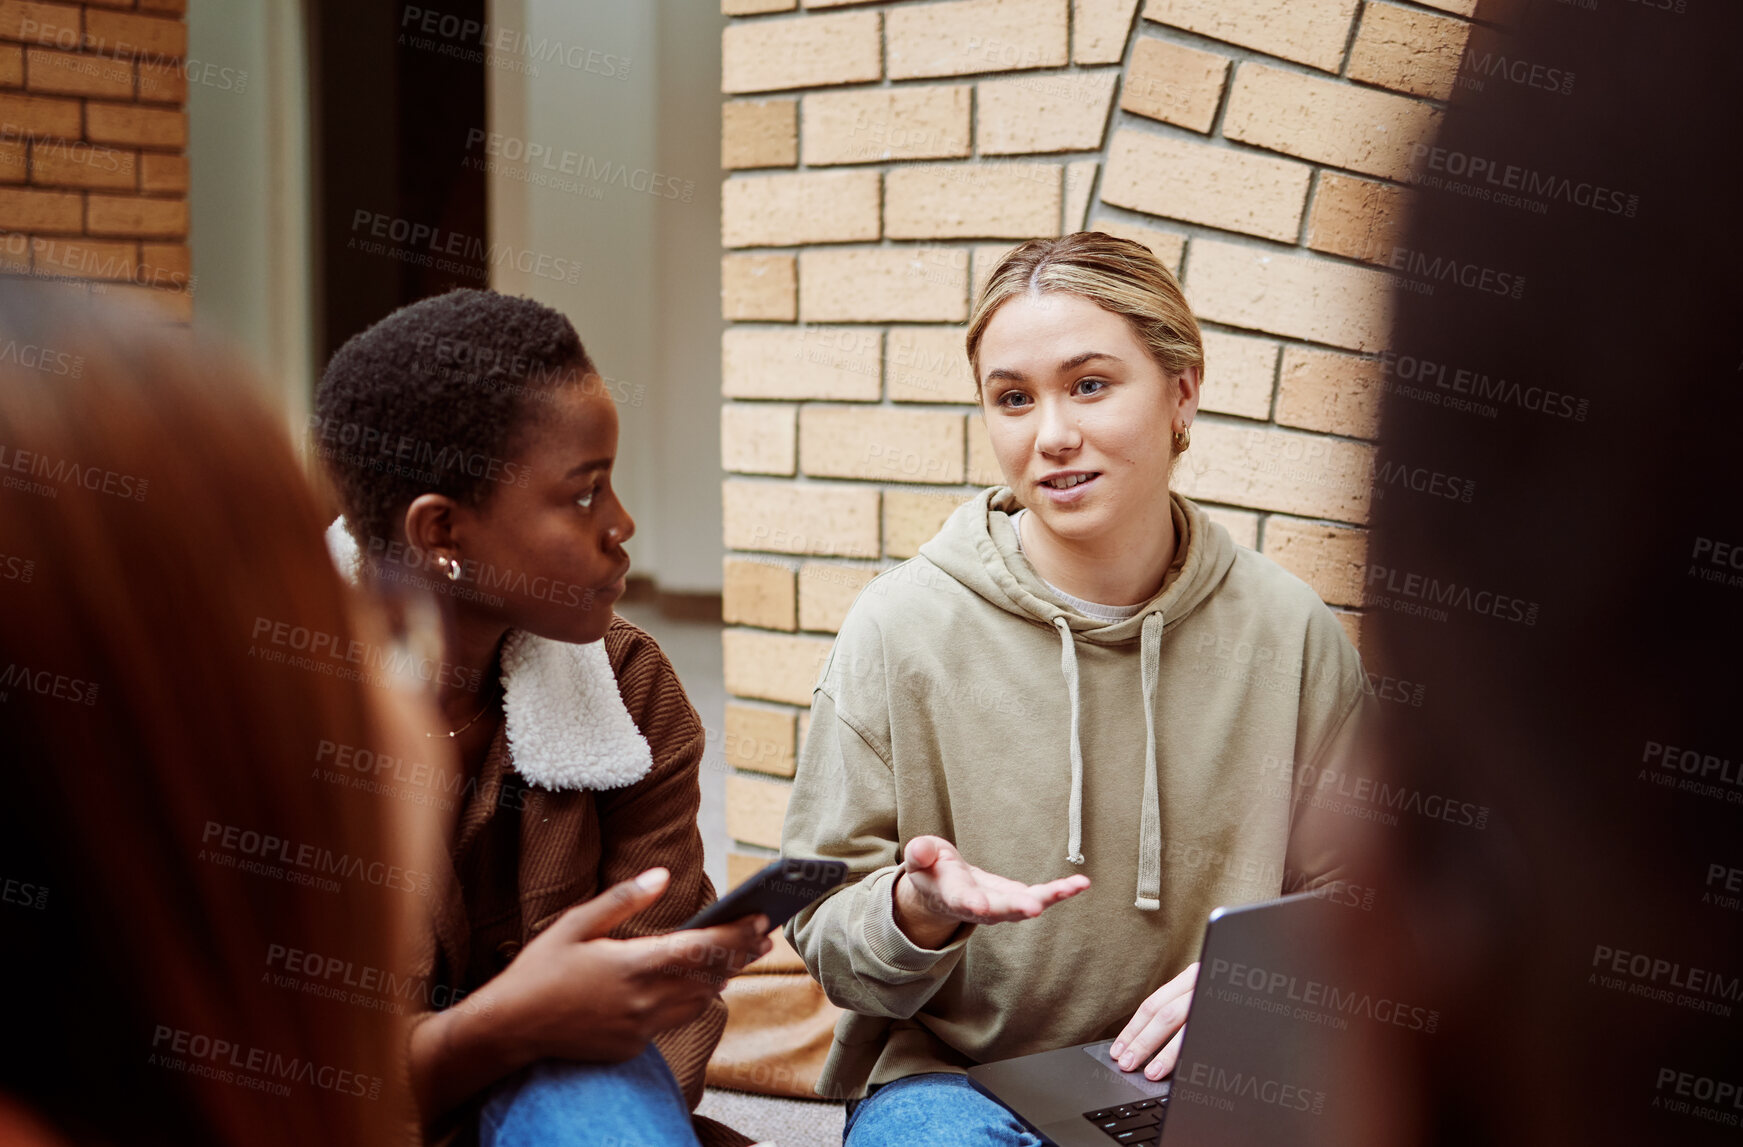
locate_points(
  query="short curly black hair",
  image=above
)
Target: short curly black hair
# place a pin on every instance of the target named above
(431, 398)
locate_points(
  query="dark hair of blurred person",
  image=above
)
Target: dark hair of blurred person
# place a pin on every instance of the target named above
(1596, 412)
(155, 528)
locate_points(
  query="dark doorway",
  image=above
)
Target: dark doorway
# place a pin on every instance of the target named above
(400, 214)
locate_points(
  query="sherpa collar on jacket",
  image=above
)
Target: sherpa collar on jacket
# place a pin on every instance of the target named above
(566, 723)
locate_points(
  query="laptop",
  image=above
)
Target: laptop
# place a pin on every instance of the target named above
(1263, 1061)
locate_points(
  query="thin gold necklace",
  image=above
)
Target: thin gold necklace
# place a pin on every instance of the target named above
(464, 727)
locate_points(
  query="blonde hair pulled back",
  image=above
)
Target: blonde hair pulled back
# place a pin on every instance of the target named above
(1116, 275)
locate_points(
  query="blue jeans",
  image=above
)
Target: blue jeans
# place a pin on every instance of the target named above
(937, 1108)
(559, 1103)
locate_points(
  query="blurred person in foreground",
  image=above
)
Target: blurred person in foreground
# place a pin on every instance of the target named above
(472, 442)
(1588, 944)
(167, 847)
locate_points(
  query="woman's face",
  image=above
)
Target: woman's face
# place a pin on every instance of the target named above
(1080, 416)
(552, 549)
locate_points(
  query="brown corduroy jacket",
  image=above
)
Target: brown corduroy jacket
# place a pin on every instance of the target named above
(524, 855)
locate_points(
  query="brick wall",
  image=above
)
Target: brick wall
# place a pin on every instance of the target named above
(93, 139)
(881, 157)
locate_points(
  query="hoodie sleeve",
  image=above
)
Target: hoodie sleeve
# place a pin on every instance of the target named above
(843, 807)
(1336, 716)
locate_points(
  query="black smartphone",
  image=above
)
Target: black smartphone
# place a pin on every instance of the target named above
(779, 891)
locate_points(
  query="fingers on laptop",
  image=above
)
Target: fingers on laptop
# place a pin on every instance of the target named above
(1155, 1028)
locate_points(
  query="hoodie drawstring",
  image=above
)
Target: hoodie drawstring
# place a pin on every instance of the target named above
(1150, 826)
(1068, 667)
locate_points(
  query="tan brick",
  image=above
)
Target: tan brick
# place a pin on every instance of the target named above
(161, 173)
(14, 160)
(911, 517)
(928, 364)
(1306, 298)
(983, 464)
(963, 37)
(11, 66)
(1328, 558)
(85, 258)
(1242, 525)
(1456, 7)
(759, 738)
(1356, 218)
(741, 866)
(125, 34)
(881, 444)
(1079, 183)
(1238, 374)
(758, 437)
(1174, 83)
(1028, 114)
(876, 124)
(1099, 29)
(39, 211)
(757, 593)
(136, 215)
(986, 260)
(841, 363)
(972, 201)
(162, 83)
(772, 666)
(804, 207)
(174, 258)
(167, 265)
(70, 163)
(755, 810)
(889, 284)
(176, 7)
(1408, 50)
(15, 256)
(77, 73)
(1167, 246)
(47, 25)
(1330, 392)
(758, 287)
(1327, 121)
(1311, 32)
(759, 133)
(1203, 183)
(800, 52)
(1265, 469)
(38, 116)
(755, 7)
(808, 518)
(827, 591)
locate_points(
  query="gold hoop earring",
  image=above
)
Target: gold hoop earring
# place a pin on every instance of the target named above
(452, 566)
(1182, 438)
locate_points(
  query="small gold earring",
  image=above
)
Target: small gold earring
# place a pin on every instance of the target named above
(452, 565)
(1182, 438)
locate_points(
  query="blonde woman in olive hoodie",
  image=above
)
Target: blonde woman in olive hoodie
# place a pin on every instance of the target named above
(1080, 679)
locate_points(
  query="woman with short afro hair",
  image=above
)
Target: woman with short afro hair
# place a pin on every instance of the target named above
(472, 443)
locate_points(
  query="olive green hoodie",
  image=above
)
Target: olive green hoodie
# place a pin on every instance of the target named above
(1161, 755)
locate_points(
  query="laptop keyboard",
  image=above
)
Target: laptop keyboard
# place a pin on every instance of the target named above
(1131, 1122)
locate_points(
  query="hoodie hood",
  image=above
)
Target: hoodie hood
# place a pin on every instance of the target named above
(978, 548)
